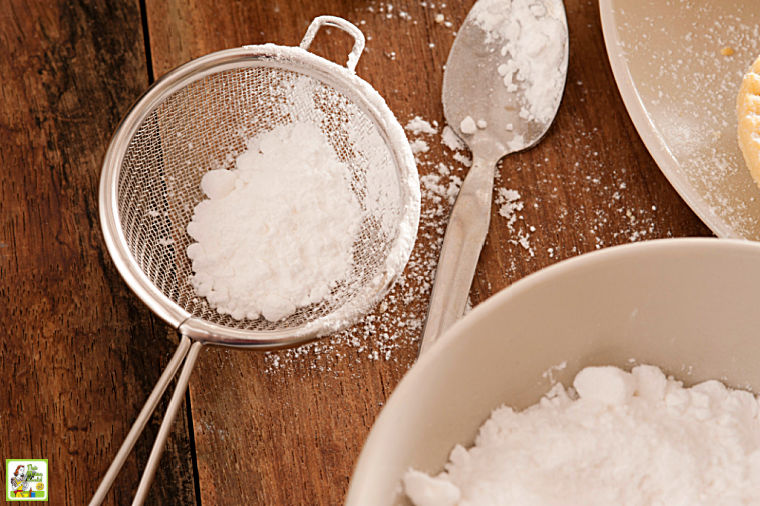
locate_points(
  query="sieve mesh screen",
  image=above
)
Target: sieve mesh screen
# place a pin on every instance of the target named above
(205, 125)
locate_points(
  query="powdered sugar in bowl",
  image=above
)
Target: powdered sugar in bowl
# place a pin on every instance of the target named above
(687, 306)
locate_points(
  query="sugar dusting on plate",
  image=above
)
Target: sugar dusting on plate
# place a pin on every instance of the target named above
(687, 81)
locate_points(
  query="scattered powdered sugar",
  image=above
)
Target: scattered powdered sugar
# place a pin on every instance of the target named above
(532, 35)
(418, 126)
(419, 146)
(509, 206)
(463, 159)
(451, 140)
(635, 438)
(275, 233)
(388, 12)
(508, 202)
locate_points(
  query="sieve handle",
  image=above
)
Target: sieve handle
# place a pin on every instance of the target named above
(150, 405)
(166, 425)
(351, 29)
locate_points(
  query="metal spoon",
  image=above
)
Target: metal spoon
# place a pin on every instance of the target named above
(474, 87)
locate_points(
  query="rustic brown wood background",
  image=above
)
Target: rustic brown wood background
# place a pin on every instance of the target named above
(80, 352)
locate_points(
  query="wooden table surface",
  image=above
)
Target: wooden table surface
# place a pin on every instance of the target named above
(81, 352)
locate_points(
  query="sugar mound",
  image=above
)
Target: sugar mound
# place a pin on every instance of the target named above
(637, 438)
(276, 233)
(607, 385)
(532, 38)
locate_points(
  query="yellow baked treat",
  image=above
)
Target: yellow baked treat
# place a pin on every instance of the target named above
(748, 111)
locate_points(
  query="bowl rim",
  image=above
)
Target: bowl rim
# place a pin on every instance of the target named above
(649, 247)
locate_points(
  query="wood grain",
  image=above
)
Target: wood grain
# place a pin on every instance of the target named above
(291, 434)
(80, 353)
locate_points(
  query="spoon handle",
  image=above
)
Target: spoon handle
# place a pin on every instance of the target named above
(465, 235)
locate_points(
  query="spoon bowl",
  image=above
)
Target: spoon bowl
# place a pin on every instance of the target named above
(474, 79)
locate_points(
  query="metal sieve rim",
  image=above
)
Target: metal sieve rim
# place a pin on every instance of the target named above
(272, 56)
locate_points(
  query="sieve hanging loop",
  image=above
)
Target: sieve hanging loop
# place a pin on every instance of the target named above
(319, 22)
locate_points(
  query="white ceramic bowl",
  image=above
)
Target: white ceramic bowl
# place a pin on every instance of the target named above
(690, 306)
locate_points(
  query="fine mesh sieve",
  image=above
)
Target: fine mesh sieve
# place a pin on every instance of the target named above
(199, 117)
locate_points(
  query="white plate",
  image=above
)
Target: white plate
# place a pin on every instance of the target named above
(680, 92)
